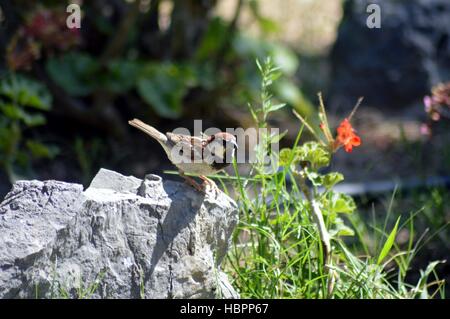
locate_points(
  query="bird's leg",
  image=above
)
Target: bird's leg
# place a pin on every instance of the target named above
(207, 181)
(192, 182)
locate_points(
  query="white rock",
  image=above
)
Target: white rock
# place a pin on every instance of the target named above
(122, 231)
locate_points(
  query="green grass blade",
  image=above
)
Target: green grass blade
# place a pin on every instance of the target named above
(389, 243)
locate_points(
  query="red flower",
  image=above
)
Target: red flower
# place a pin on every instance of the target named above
(346, 136)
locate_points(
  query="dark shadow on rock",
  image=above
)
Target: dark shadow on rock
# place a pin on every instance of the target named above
(172, 224)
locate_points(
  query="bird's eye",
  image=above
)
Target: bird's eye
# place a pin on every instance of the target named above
(181, 151)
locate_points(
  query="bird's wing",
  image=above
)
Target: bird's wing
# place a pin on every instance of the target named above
(186, 148)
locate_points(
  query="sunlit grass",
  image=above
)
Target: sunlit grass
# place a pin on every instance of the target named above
(277, 251)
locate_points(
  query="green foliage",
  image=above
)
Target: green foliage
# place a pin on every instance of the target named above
(87, 155)
(267, 25)
(72, 287)
(217, 29)
(80, 74)
(270, 74)
(422, 225)
(163, 86)
(19, 90)
(339, 229)
(22, 102)
(74, 72)
(284, 89)
(126, 53)
(331, 179)
(287, 211)
(311, 152)
(287, 217)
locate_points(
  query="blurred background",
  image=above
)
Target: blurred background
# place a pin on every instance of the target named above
(66, 94)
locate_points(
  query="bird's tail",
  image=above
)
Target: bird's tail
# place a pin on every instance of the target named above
(153, 132)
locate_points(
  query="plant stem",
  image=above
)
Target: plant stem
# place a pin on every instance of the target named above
(306, 124)
(323, 233)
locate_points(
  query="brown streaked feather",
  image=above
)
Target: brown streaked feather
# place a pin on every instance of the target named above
(192, 144)
(187, 152)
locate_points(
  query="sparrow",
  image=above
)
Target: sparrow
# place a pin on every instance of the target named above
(205, 155)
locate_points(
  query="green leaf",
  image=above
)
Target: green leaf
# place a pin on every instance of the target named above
(260, 68)
(162, 95)
(253, 112)
(286, 91)
(314, 153)
(340, 229)
(276, 107)
(339, 203)
(421, 287)
(121, 76)
(285, 156)
(25, 92)
(40, 150)
(246, 46)
(343, 204)
(76, 73)
(268, 25)
(388, 244)
(209, 45)
(285, 59)
(344, 230)
(331, 179)
(33, 119)
(275, 138)
(11, 111)
(9, 137)
(311, 152)
(314, 177)
(14, 112)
